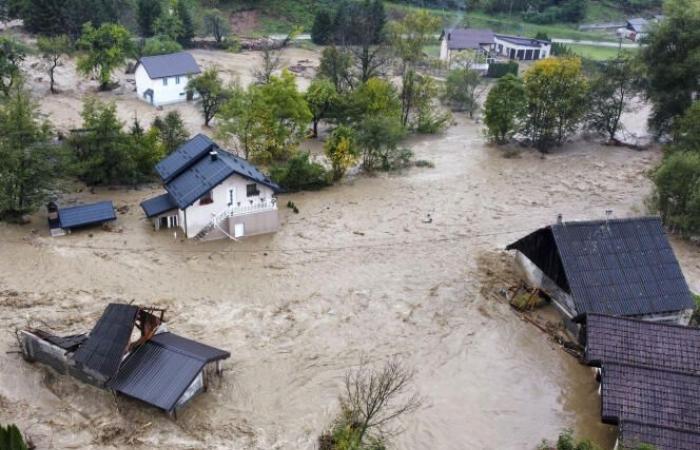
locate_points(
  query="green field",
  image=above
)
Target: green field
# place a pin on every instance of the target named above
(596, 53)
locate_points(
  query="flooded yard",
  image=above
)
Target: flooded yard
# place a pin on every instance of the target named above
(359, 272)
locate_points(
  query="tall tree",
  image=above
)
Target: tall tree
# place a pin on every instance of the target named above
(461, 90)
(671, 58)
(216, 24)
(171, 131)
(11, 56)
(212, 93)
(52, 50)
(364, 34)
(336, 66)
(321, 97)
(106, 48)
(504, 108)
(147, 12)
(341, 149)
(184, 14)
(271, 62)
(322, 29)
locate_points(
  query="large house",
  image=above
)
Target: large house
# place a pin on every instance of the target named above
(162, 79)
(521, 48)
(212, 194)
(484, 44)
(622, 267)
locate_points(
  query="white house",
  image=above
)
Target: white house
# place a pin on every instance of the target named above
(162, 79)
(475, 43)
(521, 48)
(635, 29)
(212, 194)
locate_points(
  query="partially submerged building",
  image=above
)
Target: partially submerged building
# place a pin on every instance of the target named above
(162, 79)
(483, 45)
(622, 267)
(212, 194)
(64, 220)
(155, 366)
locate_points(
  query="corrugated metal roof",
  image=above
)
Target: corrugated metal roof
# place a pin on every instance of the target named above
(629, 341)
(107, 342)
(619, 267)
(158, 205)
(173, 64)
(183, 157)
(84, 215)
(160, 370)
(468, 38)
(633, 434)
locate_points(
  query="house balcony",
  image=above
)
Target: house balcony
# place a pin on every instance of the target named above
(253, 206)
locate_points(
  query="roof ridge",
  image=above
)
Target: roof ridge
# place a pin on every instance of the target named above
(633, 319)
(655, 369)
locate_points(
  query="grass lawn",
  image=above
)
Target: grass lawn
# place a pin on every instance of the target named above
(596, 53)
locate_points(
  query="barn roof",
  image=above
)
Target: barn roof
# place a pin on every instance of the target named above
(107, 343)
(620, 266)
(158, 205)
(170, 65)
(160, 371)
(657, 397)
(183, 157)
(632, 434)
(630, 341)
(85, 215)
(468, 38)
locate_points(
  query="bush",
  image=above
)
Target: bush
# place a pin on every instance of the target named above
(300, 173)
(678, 191)
(11, 438)
(498, 70)
(160, 45)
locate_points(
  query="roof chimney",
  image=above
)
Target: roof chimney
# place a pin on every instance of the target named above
(214, 155)
(560, 219)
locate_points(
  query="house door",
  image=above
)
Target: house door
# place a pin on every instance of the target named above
(238, 230)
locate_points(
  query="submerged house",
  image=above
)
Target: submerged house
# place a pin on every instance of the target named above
(212, 194)
(650, 380)
(162, 79)
(159, 368)
(65, 220)
(478, 42)
(622, 267)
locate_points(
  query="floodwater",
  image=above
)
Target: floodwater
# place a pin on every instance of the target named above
(358, 273)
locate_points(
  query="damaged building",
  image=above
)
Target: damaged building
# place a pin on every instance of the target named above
(131, 352)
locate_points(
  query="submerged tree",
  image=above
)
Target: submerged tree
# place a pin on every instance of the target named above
(341, 150)
(52, 50)
(336, 66)
(11, 56)
(462, 90)
(504, 109)
(212, 93)
(105, 48)
(271, 62)
(321, 97)
(216, 24)
(171, 131)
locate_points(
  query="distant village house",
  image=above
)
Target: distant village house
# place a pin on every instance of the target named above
(162, 80)
(212, 194)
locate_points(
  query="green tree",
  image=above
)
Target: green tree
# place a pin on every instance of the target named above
(159, 45)
(504, 107)
(379, 138)
(341, 150)
(299, 173)
(11, 56)
(376, 97)
(11, 438)
(336, 65)
(145, 150)
(556, 100)
(147, 12)
(429, 118)
(216, 24)
(686, 130)
(362, 32)
(212, 93)
(461, 90)
(321, 97)
(171, 131)
(30, 162)
(52, 50)
(184, 14)
(43, 16)
(105, 49)
(169, 25)
(322, 29)
(671, 58)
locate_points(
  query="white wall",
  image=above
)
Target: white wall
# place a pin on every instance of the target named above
(199, 216)
(545, 49)
(162, 95)
(444, 51)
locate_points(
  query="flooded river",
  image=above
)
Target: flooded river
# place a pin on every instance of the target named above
(359, 272)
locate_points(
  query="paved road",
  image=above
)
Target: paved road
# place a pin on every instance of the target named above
(612, 44)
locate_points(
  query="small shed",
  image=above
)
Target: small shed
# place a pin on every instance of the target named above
(62, 220)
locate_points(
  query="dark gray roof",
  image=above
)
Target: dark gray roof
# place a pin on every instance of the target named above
(620, 267)
(161, 66)
(468, 38)
(85, 215)
(638, 24)
(629, 341)
(160, 371)
(632, 434)
(108, 341)
(68, 343)
(520, 40)
(650, 396)
(183, 157)
(158, 205)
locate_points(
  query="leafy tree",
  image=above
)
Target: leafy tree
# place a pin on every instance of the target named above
(610, 93)
(461, 90)
(171, 131)
(379, 138)
(271, 62)
(321, 97)
(670, 57)
(299, 173)
(360, 27)
(30, 162)
(147, 12)
(43, 16)
(686, 130)
(556, 98)
(336, 65)
(170, 25)
(11, 56)
(52, 50)
(341, 150)
(159, 45)
(504, 107)
(322, 29)
(11, 438)
(145, 150)
(106, 48)
(216, 24)
(212, 93)
(376, 97)
(428, 117)
(184, 14)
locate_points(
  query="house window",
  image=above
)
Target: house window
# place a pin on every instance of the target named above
(252, 190)
(206, 199)
(177, 79)
(165, 81)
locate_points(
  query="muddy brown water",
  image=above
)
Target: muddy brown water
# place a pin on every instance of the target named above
(357, 273)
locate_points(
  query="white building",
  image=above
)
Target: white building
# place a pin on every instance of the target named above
(521, 48)
(162, 79)
(212, 194)
(472, 44)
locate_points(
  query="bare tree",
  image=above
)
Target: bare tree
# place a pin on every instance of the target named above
(271, 62)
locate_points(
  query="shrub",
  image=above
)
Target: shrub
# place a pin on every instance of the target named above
(11, 438)
(498, 70)
(300, 173)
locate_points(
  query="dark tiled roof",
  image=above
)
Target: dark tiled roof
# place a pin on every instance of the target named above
(632, 434)
(619, 267)
(468, 38)
(650, 396)
(158, 205)
(520, 40)
(630, 341)
(183, 157)
(170, 65)
(85, 215)
(160, 371)
(108, 340)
